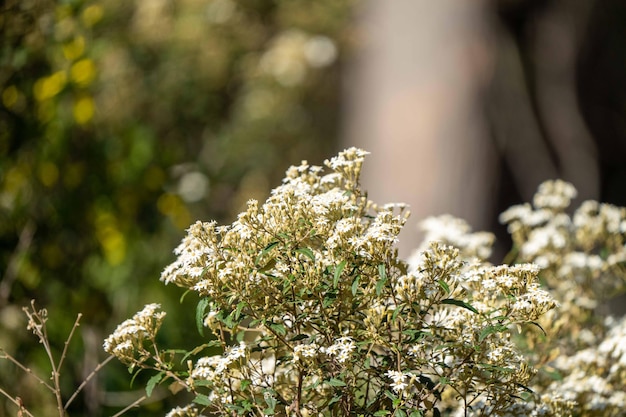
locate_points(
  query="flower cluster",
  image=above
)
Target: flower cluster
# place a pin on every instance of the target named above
(582, 256)
(455, 232)
(315, 314)
(128, 341)
(579, 258)
(187, 411)
(332, 321)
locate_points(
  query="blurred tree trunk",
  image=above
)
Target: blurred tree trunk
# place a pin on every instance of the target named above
(468, 106)
(414, 101)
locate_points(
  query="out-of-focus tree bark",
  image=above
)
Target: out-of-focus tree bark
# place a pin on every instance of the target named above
(414, 103)
(468, 106)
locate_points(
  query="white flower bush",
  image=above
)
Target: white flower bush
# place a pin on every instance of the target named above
(316, 315)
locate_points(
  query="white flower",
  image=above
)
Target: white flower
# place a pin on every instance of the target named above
(187, 411)
(399, 379)
(341, 349)
(305, 351)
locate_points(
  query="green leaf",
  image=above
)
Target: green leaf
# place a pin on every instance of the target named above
(202, 399)
(131, 370)
(329, 299)
(229, 320)
(413, 335)
(153, 381)
(525, 388)
(390, 395)
(460, 304)
(269, 265)
(182, 297)
(383, 279)
(497, 328)
(202, 383)
(396, 312)
(240, 307)
(495, 368)
(299, 337)
(200, 309)
(245, 384)
(443, 285)
(381, 413)
(278, 328)
(538, 325)
(307, 252)
(355, 284)
(265, 251)
(270, 401)
(333, 400)
(334, 382)
(338, 271)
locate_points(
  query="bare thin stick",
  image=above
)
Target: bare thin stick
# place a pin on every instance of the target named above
(91, 375)
(42, 333)
(69, 338)
(17, 402)
(10, 358)
(134, 404)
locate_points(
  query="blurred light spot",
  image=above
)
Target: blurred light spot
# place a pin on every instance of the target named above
(29, 274)
(320, 51)
(154, 178)
(173, 207)
(63, 11)
(84, 109)
(254, 185)
(48, 174)
(285, 58)
(52, 255)
(73, 175)
(15, 187)
(48, 87)
(46, 111)
(83, 72)
(74, 49)
(166, 203)
(193, 186)
(14, 178)
(114, 246)
(111, 240)
(259, 103)
(92, 14)
(141, 149)
(10, 96)
(220, 11)
(151, 20)
(128, 204)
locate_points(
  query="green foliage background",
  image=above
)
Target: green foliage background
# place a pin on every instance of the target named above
(121, 122)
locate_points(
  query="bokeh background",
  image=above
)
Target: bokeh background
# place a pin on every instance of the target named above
(123, 121)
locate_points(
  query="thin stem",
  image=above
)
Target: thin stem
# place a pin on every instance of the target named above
(299, 393)
(91, 375)
(132, 405)
(164, 367)
(69, 338)
(18, 402)
(10, 358)
(43, 337)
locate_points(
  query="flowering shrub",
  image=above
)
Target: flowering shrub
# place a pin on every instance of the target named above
(314, 313)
